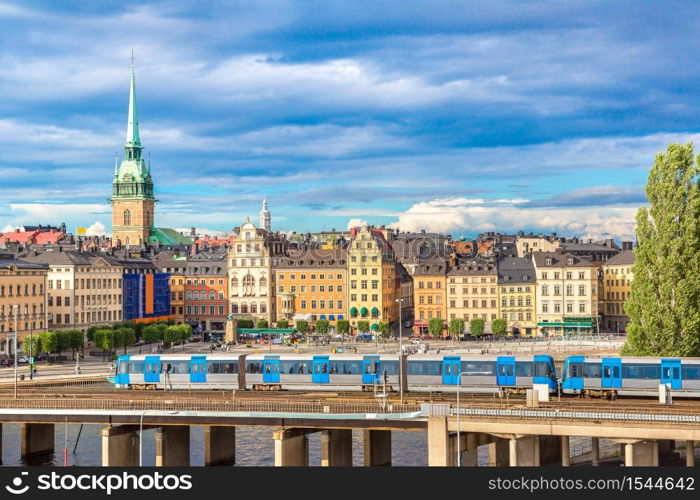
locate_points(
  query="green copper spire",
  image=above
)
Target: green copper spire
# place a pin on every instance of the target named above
(132, 130)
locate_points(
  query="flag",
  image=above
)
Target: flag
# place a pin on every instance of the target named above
(81, 230)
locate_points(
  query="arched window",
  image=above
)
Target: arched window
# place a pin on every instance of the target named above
(127, 217)
(248, 285)
(263, 283)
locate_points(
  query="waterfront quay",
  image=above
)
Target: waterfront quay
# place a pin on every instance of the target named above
(485, 429)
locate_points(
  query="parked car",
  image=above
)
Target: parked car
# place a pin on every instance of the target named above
(23, 359)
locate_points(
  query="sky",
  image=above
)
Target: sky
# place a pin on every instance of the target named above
(451, 116)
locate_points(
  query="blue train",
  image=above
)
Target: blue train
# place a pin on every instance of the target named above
(335, 372)
(630, 376)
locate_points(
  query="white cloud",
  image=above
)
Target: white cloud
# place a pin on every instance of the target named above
(96, 229)
(203, 231)
(357, 223)
(9, 228)
(446, 215)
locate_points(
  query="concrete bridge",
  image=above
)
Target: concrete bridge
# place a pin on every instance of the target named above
(512, 435)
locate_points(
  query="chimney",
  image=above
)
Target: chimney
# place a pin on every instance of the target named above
(626, 245)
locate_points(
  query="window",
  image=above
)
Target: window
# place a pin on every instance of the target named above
(127, 217)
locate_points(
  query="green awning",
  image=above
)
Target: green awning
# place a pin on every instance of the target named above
(581, 324)
(353, 311)
(363, 311)
(375, 326)
(375, 312)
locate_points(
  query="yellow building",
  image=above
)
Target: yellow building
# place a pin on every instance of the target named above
(373, 286)
(617, 283)
(429, 293)
(529, 243)
(472, 291)
(517, 295)
(22, 301)
(311, 285)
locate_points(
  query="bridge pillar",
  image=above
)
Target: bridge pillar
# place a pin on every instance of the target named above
(336, 448)
(219, 445)
(595, 451)
(499, 451)
(565, 452)
(377, 448)
(524, 451)
(468, 448)
(120, 446)
(173, 446)
(690, 453)
(641, 453)
(551, 450)
(291, 447)
(36, 439)
(438, 442)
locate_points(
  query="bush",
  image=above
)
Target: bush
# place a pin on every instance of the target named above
(245, 323)
(343, 326)
(384, 328)
(363, 326)
(302, 326)
(48, 342)
(91, 333)
(150, 334)
(282, 323)
(262, 323)
(127, 336)
(322, 326)
(456, 326)
(435, 327)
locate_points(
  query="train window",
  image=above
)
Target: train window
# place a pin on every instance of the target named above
(575, 370)
(592, 370)
(511, 370)
(122, 367)
(390, 367)
(523, 368)
(346, 367)
(135, 366)
(606, 372)
(275, 367)
(253, 367)
(371, 367)
(424, 367)
(176, 367)
(543, 369)
(616, 372)
(479, 367)
(501, 369)
(222, 367)
(640, 371)
(324, 368)
(676, 372)
(267, 368)
(691, 372)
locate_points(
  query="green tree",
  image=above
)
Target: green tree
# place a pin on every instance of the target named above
(91, 333)
(322, 326)
(363, 326)
(172, 335)
(33, 347)
(184, 332)
(150, 334)
(302, 326)
(499, 327)
(245, 323)
(384, 328)
(282, 323)
(456, 327)
(62, 341)
(48, 342)
(343, 326)
(127, 336)
(73, 339)
(435, 327)
(262, 323)
(476, 327)
(104, 339)
(664, 303)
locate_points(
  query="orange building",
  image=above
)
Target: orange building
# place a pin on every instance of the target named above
(311, 285)
(429, 299)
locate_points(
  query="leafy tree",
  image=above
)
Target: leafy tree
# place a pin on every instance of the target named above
(302, 326)
(162, 327)
(150, 334)
(127, 336)
(343, 326)
(91, 333)
(363, 326)
(245, 323)
(32, 347)
(262, 323)
(456, 327)
(499, 327)
(664, 303)
(172, 335)
(322, 326)
(74, 340)
(62, 341)
(384, 328)
(104, 339)
(282, 323)
(476, 327)
(435, 327)
(48, 342)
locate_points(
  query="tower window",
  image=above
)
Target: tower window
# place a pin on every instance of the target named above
(127, 217)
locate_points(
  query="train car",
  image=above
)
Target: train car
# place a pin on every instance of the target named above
(480, 373)
(180, 371)
(321, 372)
(630, 376)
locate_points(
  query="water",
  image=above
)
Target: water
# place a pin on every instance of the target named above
(254, 447)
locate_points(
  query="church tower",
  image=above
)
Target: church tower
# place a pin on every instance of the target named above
(133, 203)
(265, 218)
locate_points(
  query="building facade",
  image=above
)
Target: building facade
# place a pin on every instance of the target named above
(175, 265)
(206, 291)
(472, 292)
(517, 295)
(567, 294)
(311, 285)
(429, 293)
(617, 285)
(146, 291)
(22, 301)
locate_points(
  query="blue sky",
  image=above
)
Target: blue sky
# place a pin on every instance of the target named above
(455, 116)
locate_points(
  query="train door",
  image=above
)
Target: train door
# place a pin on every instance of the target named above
(151, 370)
(612, 373)
(198, 369)
(450, 370)
(505, 370)
(320, 367)
(371, 370)
(271, 370)
(671, 373)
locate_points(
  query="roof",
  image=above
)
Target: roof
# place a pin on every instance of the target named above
(8, 262)
(313, 257)
(211, 263)
(433, 267)
(72, 258)
(625, 258)
(167, 237)
(473, 267)
(559, 259)
(516, 270)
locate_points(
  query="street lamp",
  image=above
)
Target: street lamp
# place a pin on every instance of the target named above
(16, 308)
(400, 302)
(459, 444)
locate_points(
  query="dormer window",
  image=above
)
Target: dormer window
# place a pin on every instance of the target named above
(525, 277)
(570, 261)
(548, 261)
